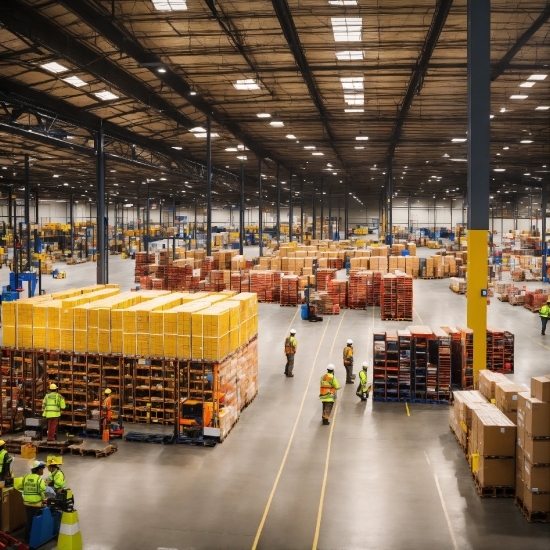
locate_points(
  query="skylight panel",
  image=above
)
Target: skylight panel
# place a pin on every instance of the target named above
(197, 129)
(347, 29)
(342, 2)
(528, 84)
(542, 108)
(170, 5)
(354, 110)
(518, 96)
(537, 77)
(350, 55)
(263, 115)
(247, 84)
(277, 123)
(74, 81)
(205, 134)
(54, 67)
(105, 95)
(352, 83)
(354, 99)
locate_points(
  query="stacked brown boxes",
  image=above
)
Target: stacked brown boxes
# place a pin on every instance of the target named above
(460, 419)
(506, 396)
(533, 451)
(488, 381)
(493, 444)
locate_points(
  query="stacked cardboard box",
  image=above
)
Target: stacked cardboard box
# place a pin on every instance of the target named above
(533, 451)
(506, 397)
(460, 418)
(487, 383)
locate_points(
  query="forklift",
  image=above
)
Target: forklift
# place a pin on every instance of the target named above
(308, 309)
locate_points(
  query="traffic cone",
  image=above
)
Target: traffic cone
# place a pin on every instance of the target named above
(70, 537)
(105, 436)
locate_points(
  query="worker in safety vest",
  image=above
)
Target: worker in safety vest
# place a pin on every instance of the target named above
(362, 389)
(327, 395)
(33, 488)
(348, 362)
(52, 405)
(5, 461)
(106, 409)
(291, 345)
(56, 478)
(544, 314)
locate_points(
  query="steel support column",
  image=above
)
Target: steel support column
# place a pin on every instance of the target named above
(195, 229)
(346, 209)
(479, 139)
(241, 214)
(36, 218)
(260, 206)
(147, 224)
(544, 204)
(330, 231)
(322, 208)
(389, 205)
(28, 214)
(409, 212)
(302, 206)
(208, 186)
(10, 205)
(71, 221)
(290, 208)
(278, 227)
(100, 213)
(314, 212)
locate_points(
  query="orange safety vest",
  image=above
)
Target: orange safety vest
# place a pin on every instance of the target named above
(328, 389)
(106, 411)
(348, 355)
(290, 345)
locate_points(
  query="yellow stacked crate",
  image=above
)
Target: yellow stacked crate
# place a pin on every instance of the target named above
(156, 333)
(9, 323)
(66, 329)
(40, 315)
(116, 330)
(24, 320)
(248, 306)
(210, 334)
(53, 329)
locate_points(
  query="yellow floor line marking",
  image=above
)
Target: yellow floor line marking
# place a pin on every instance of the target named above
(292, 321)
(272, 494)
(421, 321)
(537, 342)
(453, 537)
(336, 335)
(407, 407)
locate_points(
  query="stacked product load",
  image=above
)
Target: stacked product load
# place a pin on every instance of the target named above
(533, 451)
(396, 301)
(289, 290)
(458, 285)
(460, 418)
(535, 300)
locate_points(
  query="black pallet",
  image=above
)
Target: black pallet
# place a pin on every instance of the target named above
(160, 439)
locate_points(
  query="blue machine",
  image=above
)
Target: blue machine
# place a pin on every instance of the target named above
(16, 284)
(45, 526)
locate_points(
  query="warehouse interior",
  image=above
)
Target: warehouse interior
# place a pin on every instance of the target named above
(226, 146)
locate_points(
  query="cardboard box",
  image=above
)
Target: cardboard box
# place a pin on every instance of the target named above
(520, 459)
(536, 478)
(487, 382)
(492, 433)
(496, 472)
(520, 434)
(536, 502)
(12, 510)
(506, 395)
(537, 417)
(537, 451)
(540, 388)
(520, 487)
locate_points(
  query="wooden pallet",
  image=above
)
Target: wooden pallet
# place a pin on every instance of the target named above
(532, 517)
(56, 447)
(504, 491)
(93, 447)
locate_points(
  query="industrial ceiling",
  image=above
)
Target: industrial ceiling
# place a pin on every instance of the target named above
(329, 91)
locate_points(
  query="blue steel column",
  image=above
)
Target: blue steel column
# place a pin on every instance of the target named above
(208, 187)
(290, 209)
(100, 214)
(241, 214)
(28, 213)
(278, 204)
(260, 214)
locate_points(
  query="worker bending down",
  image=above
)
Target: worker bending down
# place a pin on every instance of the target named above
(327, 395)
(291, 345)
(348, 362)
(106, 409)
(33, 488)
(56, 478)
(52, 405)
(362, 389)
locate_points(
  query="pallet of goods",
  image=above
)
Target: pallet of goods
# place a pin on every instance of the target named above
(396, 302)
(289, 290)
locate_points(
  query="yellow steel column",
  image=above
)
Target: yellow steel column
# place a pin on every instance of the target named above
(476, 304)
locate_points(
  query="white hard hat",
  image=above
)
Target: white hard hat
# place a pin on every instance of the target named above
(330, 367)
(365, 365)
(292, 331)
(350, 341)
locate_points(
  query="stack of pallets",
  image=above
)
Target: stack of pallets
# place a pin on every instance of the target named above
(338, 291)
(357, 294)
(323, 278)
(289, 290)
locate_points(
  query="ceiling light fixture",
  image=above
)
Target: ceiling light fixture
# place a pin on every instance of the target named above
(277, 123)
(291, 136)
(358, 148)
(170, 5)
(177, 148)
(242, 157)
(74, 81)
(231, 149)
(347, 29)
(354, 98)
(519, 96)
(54, 67)
(527, 84)
(352, 82)
(459, 140)
(361, 138)
(105, 95)
(537, 77)
(350, 55)
(205, 134)
(354, 110)
(500, 170)
(263, 115)
(246, 84)
(318, 154)
(309, 147)
(526, 141)
(342, 2)
(542, 108)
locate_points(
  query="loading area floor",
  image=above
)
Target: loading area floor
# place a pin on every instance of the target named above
(374, 479)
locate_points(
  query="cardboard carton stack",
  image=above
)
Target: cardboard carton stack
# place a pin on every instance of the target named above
(460, 418)
(487, 383)
(533, 451)
(506, 397)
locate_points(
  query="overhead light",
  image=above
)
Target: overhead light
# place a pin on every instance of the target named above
(309, 147)
(500, 170)
(491, 116)
(352, 82)
(342, 2)
(459, 160)
(318, 154)
(361, 138)
(354, 110)
(129, 205)
(503, 110)
(170, 5)
(459, 140)
(177, 148)
(329, 164)
(55, 175)
(242, 157)
(350, 55)
(519, 96)
(528, 174)
(205, 134)
(263, 115)
(359, 147)
(105, 95)
(291, 136)
(66, 184)
(161, 70)
(526, 141)
(347, 29)
(246, 84)
(197, 129)
(74, 81)
(506, 148)
(542, 108)
(54, 67)
(192, 92)
(537, 77)
(354, 98)
(241, 147)
(277, 123)
(526, 84)
(231, 149)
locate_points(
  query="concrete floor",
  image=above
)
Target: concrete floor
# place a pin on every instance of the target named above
(386, 481)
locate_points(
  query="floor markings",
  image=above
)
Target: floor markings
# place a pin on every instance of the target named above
(421, 321)
(453, 537)
(407, 407)
(537, 342)
(285, 456)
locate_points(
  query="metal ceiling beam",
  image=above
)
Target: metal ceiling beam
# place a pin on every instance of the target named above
(505, 62)
(286, 21)
(27, 21)
(103, 23)
(417, 79)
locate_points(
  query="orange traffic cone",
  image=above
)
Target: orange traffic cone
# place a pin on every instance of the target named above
(105, 436)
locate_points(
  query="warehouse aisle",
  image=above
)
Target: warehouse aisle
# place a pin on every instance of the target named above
(387, 478)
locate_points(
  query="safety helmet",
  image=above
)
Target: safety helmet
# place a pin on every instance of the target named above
(292, 331)
(330, 367)
(2, 442)
(349, 342)
(365, 365)
(53, 387)
(54, 461)
(37, 464)
(107, 391)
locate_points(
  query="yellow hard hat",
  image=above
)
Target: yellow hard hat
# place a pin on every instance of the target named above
(2, 442)
(53, 387)
(107, 391)
(54, 461)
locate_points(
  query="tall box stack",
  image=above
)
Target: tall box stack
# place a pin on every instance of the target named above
(487, 383)
(506, 397)
(533, 451)
(460, 418)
